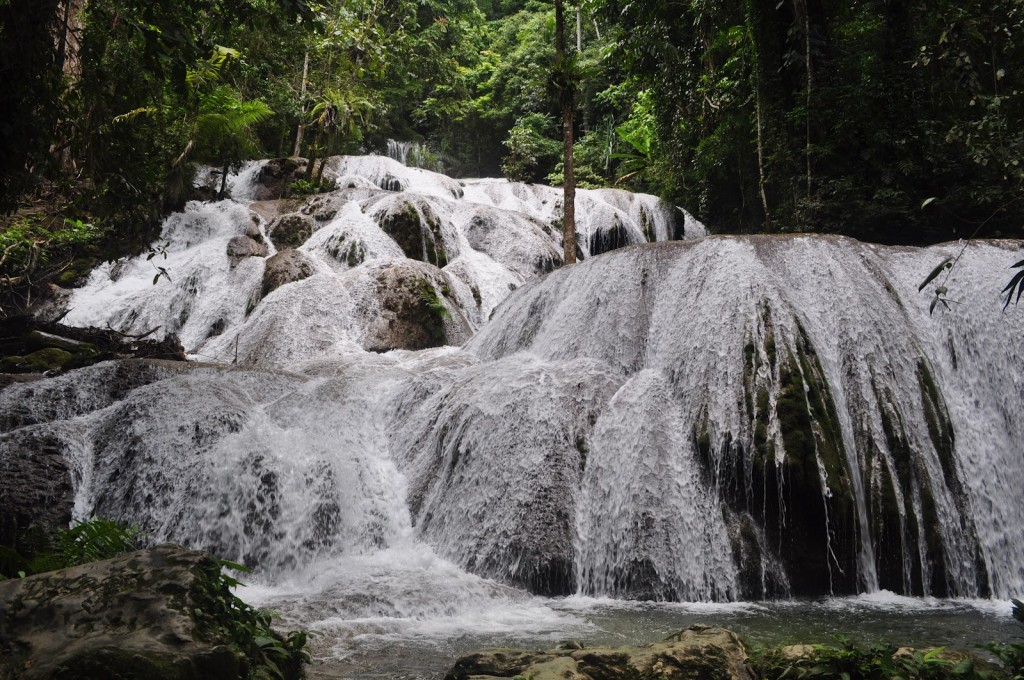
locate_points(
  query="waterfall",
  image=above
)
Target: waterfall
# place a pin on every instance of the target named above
(413, 154)
(399, 151)
(400, 372)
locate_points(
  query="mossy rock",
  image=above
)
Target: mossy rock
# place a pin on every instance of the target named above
(416, 230)
(164, 612)
(77, 272)
(808, 529)
(698, 652)
(40, 361)
(292, 230)
(274, 177)
(415, 310)
(287, 266)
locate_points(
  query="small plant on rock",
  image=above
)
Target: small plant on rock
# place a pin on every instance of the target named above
(1011, 655)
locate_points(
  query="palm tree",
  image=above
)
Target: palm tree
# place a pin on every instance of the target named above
(224, 129)
(339, 112)
(220, 122)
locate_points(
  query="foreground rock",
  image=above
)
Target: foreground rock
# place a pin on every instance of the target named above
(157, 613)
(698, 652)
(287, 266)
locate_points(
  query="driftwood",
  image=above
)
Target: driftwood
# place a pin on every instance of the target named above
(22, 335)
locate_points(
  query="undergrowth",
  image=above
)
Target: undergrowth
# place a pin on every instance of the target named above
(849, 662)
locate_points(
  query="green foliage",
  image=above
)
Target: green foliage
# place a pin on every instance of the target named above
(301, 187)
(221, 614)
(834, 116)
(435, 305)
(1016, 284)
(94, 540)
(531, 148)
(37, 247)
(878, 662)
(84, 542)
(31, 53)
(1011, 655)
(639, 132)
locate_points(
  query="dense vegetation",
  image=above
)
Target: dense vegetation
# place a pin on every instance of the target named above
(890, 120)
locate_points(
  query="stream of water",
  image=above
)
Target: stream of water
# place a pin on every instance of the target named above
(767, 433)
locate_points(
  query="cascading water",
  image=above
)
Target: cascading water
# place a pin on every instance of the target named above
(721, 419)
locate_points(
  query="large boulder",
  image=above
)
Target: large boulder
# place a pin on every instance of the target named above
(291, 230)
(275, 176)
(241, 247)
(287, 266)
(415, 309)
(270, 210)
(161, 613)
(702, 652)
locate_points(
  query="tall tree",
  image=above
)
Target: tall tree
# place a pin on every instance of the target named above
(565, 85)
(30, 73)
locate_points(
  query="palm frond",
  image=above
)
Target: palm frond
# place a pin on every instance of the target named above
(135, 113)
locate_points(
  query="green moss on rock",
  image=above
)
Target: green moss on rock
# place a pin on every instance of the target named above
(417, 231)
(40, 361)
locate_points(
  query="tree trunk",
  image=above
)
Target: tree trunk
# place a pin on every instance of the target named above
(803, 14)
(323, 162)
(759, 85)
(579, 30)
(302, 97)
(224, 180)
(312, 157)
(569, 185)
(810, 87)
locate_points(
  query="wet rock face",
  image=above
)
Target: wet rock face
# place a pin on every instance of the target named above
(287, 266)
(494, 488)
(270, 210)
(129, 617)
(697, 652)
(292, 230)
(41, 401)
(275, 176)
(35, 487)
(415, 312)
(611, 238)
(241, 247)
(417, 231)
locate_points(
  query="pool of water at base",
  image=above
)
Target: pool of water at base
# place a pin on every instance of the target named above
(414, 646)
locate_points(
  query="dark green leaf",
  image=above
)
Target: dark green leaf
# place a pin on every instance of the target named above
(935, 272)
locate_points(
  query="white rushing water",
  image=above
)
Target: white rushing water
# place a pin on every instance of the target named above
(713, 420)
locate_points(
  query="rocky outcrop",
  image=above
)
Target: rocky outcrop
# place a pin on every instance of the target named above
(698, 652)
(27, 402)
(36, 490)
(415, 312)
(287, 266)
(270, 210)
(241, 247)
(415, 227)
(162, 613)
(275, 176)
(323, 208)
(292, 230)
